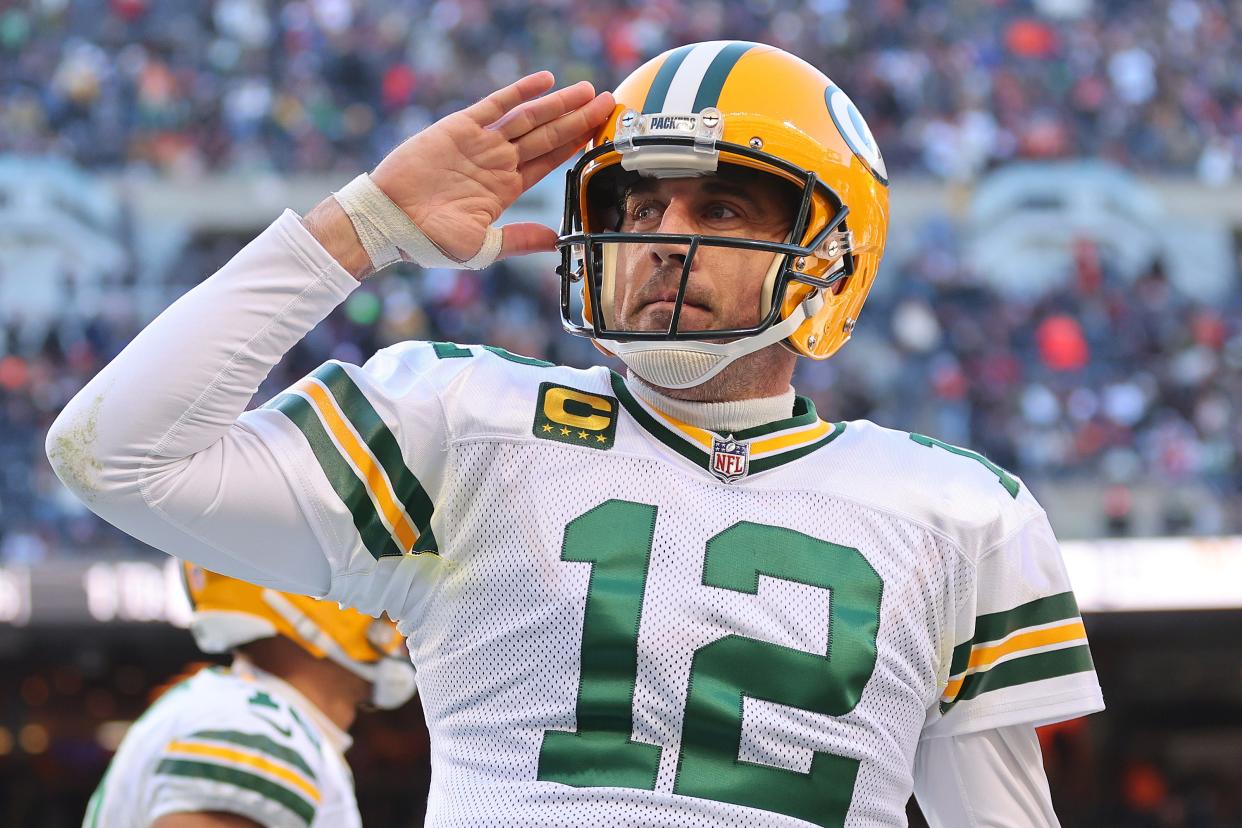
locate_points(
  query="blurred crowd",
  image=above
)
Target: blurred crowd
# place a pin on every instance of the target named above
(949, 89)
(1106, 383)
(1119, 383)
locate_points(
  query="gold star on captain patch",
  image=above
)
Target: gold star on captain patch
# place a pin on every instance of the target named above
(582, 435)
(547, 427)
(564, 432)
(599, 438)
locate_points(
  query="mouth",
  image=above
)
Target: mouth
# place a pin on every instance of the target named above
(667, 306)
(658, 314)
(667, 300)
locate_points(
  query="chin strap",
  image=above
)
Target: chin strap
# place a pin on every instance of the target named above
(392, 677)
(691, 363)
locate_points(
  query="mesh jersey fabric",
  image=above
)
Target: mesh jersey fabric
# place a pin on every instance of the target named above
(224, 741)
(438, 496)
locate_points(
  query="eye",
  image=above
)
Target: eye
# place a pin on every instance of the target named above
(719, 211)
(642, 212)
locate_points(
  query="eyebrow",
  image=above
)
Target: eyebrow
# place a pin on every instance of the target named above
(645, 186)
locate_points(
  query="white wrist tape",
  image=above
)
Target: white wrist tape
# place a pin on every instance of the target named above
(390, 236)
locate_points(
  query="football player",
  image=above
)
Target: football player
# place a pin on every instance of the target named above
(262, 742)
(674, 597)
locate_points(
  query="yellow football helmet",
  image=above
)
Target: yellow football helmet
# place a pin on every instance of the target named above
(684, 114)
(228, 612)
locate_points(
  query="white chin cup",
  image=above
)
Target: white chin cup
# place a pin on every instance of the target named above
(694, 362)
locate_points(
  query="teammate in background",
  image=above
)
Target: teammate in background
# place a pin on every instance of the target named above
(673, 598)
(260, 743)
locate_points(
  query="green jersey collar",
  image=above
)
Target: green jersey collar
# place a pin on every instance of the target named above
(731, 457)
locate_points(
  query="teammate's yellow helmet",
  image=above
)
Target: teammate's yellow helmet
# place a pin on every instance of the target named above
(692, 109)
(228, 612)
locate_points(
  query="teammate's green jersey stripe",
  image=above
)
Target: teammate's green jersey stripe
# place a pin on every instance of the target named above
(258, 741)
(996, 625)
(717, 71)
(379, 438)
(348, 487)
(664, 79)
(219, 773)
(1029, 668)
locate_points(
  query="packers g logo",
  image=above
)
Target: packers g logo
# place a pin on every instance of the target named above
(855, 131)
(568, 415)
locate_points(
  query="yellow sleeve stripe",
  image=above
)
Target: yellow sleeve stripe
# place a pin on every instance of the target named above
(983, 657)
(242, 758)
(378, 486)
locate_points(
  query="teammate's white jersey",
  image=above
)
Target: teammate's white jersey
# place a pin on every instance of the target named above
(239, 741)
(618, 619)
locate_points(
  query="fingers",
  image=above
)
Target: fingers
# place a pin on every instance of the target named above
(535, 113)
(525, 237)
(535, 169)
(551, 136)
(495, 105)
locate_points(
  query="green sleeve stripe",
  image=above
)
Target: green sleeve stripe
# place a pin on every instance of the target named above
(996, 625)
(1023, 670)
(241, 779)
(257, 741)
(380, 440)
(961, 657)
(345, 482)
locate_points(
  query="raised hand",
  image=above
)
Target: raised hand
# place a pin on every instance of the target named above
(455, 177)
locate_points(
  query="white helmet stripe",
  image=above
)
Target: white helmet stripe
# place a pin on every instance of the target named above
(685, 86)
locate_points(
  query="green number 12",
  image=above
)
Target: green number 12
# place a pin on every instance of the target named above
(616, 538)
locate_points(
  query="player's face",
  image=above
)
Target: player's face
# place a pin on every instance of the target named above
(725, 284)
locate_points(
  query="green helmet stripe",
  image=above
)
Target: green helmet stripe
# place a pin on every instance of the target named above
(714, 78)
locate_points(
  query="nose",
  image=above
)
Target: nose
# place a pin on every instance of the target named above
(677, 218)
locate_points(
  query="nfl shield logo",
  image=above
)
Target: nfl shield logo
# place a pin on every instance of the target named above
(730, 459)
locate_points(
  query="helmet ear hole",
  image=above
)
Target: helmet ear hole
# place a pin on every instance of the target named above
(839, 285)
(605, 197)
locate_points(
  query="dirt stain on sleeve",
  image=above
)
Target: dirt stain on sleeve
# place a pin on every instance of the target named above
(73, 454)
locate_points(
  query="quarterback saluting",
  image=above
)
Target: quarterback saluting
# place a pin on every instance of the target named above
(676, 597)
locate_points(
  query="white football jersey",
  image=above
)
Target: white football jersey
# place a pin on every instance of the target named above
(621, 619)
(239, 741)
